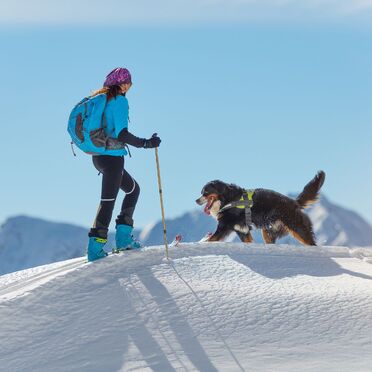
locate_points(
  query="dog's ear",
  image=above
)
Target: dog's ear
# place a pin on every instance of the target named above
(228, 191)
(231, 191)
(221, 188)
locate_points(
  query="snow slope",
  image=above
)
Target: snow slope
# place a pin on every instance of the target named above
(213, 306)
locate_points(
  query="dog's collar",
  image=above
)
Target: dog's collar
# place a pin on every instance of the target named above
(245, 202)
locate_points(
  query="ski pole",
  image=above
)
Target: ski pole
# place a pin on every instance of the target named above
(161, 203)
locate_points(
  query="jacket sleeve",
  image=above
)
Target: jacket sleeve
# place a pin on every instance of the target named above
(130, 139)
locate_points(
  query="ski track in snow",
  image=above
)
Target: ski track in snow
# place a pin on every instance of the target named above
(212, 307)
(20, 283)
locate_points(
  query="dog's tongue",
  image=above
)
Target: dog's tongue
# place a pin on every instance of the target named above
(207, 208)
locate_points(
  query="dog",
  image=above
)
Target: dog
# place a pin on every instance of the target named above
(275, 214)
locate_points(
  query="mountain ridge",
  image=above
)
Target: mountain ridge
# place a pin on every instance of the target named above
(28, 241)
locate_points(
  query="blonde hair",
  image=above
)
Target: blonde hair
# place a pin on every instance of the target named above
(112, 91)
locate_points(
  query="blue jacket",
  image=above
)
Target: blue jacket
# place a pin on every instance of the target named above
(117, 118)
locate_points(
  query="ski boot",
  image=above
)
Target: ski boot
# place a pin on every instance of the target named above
(124, 239)
(95, 248)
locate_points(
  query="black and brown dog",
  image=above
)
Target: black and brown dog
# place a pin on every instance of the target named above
(276, 214)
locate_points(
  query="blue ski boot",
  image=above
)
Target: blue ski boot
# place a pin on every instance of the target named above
(95, 248)
(124, 238)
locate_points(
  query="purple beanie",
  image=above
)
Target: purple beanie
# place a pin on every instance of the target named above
(118, 76)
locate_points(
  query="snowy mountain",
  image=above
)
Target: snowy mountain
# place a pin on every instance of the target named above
(192, 226)
(333, 225)
(27, 242)
(212, 307)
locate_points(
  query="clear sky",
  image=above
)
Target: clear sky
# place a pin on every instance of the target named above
(262, 94)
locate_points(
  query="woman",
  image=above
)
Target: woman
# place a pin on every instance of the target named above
(114, 176)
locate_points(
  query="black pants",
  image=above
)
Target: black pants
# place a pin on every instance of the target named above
(114, 177)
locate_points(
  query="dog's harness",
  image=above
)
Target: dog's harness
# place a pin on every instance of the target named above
(245, 202)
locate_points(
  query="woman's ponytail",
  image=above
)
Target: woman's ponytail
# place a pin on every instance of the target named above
(112, 91)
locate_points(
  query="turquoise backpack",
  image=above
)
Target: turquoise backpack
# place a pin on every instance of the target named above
(86, 126)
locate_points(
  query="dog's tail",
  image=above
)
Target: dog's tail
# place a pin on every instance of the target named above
(310, 193)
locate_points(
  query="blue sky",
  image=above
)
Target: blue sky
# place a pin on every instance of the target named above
(260, 95)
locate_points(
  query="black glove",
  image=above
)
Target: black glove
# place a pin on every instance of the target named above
(152, 142)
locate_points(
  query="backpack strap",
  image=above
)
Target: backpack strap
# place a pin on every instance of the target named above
(103, 119)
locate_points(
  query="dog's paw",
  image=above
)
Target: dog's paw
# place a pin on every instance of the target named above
(205, 238)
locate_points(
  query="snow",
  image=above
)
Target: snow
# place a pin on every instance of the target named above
(211, 307)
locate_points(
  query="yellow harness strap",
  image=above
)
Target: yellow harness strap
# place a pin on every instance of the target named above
(245, 202)
(248, 196)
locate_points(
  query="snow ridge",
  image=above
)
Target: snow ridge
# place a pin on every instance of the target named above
(212, 307)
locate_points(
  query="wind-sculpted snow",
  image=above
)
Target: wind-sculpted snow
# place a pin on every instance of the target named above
(212, 307)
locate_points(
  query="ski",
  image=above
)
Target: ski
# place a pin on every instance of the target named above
(117, 250)
(205, 238)
(176, 241)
